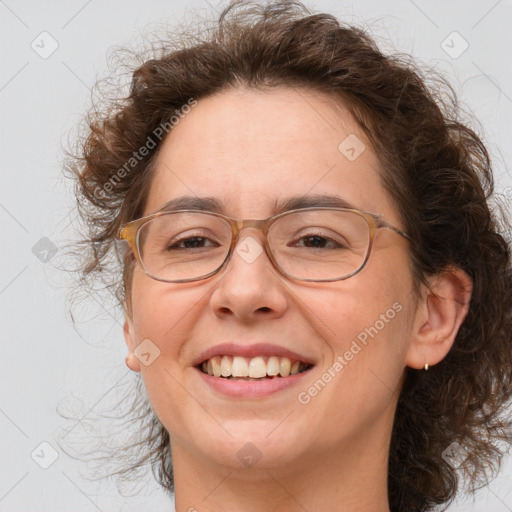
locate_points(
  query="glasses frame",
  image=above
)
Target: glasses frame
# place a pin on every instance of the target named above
(130, 233)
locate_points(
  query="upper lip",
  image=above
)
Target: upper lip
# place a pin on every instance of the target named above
(253, 350)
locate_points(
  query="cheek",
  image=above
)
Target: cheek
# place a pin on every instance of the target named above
(163, 312)
(166, 315)
(368, 330)
(373, 304)
(369, 318)
(359, 384)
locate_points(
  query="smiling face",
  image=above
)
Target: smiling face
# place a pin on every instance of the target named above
(248, 150)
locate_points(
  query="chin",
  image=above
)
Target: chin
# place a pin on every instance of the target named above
(251, 446)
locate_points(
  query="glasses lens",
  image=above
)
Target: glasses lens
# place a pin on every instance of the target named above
(180, 246)
(312, 245)
(320, 244)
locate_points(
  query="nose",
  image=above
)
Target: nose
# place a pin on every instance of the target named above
(249, 288)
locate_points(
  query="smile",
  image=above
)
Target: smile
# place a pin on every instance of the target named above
(252, 368)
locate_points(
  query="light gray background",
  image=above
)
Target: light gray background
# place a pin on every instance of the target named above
(45, 361)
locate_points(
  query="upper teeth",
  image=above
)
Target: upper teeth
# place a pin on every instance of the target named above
(255, 367)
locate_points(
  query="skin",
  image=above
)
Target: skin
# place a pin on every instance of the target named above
(247, 148)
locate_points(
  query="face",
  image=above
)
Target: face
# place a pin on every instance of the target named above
(249, 149)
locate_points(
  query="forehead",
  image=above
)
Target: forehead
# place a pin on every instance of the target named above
(252, 149)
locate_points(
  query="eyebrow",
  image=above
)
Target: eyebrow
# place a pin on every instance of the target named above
(211, 204)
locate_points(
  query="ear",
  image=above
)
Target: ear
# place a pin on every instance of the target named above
(441, 309)
(129, 337)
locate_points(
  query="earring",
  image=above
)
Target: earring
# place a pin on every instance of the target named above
(426, 366)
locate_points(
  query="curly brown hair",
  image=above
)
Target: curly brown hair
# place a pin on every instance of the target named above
(436, 169)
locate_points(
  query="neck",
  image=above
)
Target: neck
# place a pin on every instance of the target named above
(352, 478)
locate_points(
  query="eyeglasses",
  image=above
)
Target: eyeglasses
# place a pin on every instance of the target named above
(308, 244)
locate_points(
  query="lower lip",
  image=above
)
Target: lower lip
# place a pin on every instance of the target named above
(251, 388)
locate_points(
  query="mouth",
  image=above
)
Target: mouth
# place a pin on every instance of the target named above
(258, 368)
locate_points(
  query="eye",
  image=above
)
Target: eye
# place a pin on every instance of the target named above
(319, 241)
(193, 242)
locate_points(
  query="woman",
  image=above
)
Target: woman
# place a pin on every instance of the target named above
(317, 297)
